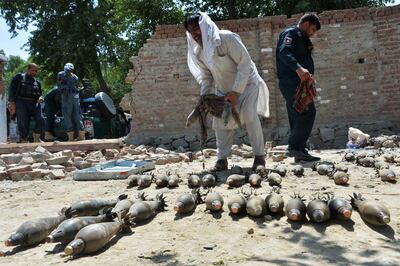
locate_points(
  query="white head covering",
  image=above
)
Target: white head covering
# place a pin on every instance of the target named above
(211, 40)
(68, 67)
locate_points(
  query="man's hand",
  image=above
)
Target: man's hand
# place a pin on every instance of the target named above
(303, 73)
(41, 99)
(12, 108)
(232, 97)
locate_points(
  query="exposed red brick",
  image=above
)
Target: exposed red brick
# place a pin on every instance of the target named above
(166, 80)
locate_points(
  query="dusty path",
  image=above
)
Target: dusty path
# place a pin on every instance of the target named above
(206, 239)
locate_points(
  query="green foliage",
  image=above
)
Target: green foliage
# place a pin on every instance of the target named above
(99, 36)
(289, 7)
(219, 10)
(228, 9)
(137, 20)
(95, 35)
(140, 18)
(116, 80)
(67, 31)
(15, 64)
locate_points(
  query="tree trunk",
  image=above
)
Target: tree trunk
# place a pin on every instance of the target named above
(232, 12)
(97, 67)
(99, 75)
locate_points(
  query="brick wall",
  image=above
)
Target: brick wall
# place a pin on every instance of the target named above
(357, 58)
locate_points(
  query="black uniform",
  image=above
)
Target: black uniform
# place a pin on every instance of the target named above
(293, 51)
(25, 91)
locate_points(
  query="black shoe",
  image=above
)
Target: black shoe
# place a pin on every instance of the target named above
(305, 156)
(306, 153)
(293, 153)
(259, 161)
(220, 165)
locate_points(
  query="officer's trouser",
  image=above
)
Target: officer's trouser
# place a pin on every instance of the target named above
(225, 139)
(71, 112)
(301, 124)
(25, 110)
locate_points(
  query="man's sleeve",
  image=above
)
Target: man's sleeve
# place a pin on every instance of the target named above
(239, 54)
(40, 87)
(207, 79)
(286, 50)
(76, 82)
(12, 89)
(59, 79)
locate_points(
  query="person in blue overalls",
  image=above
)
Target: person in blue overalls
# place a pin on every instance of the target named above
(24, 98)
(294, 63)
(67, 83)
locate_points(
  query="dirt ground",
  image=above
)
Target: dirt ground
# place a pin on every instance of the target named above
(206, 239)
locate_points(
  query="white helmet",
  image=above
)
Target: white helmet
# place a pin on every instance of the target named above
(68, 67)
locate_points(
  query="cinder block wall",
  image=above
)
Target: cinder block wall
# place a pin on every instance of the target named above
(357, 58)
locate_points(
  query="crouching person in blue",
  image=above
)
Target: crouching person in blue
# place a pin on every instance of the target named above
(67, 83)
(52, 105)
(24, 97)
(295, 64)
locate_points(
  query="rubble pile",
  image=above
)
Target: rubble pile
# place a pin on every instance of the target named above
(332, 136)
(42, 164)
(161, 155)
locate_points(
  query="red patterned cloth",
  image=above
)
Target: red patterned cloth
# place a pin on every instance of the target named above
(305, 94)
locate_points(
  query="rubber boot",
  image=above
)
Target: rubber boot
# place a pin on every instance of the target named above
(81, 135)
(36, 137)
(70, 136)
(48, 136)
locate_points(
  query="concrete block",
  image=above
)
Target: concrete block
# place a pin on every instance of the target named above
(180, 142)
(21, 168)
(11, 158)
(67, 153)
(326, 134)
(3, 175)
(57, 174)
(53, 167)
(26, 175)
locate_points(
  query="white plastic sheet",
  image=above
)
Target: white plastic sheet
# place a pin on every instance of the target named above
(357, 138)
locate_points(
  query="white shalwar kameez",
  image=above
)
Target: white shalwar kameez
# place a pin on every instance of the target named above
(224, 64)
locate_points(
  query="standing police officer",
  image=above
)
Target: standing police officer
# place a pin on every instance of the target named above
(294, 64)
(67, 83)
(24, 97)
